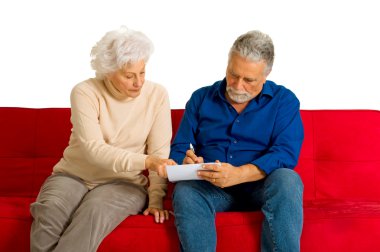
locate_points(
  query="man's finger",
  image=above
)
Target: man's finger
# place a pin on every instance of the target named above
(188, 160)
(191, 154)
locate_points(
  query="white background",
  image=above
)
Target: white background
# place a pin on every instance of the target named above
(327, 51)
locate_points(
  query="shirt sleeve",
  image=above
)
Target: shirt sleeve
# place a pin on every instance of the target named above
(84, 117)
(287, 137)
(158, 144)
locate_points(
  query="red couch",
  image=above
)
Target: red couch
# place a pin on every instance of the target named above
(339, 165)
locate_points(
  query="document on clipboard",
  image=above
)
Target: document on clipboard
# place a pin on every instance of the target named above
(184, 172)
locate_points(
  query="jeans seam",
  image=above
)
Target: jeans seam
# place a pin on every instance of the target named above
(269, 219)
(222, 195)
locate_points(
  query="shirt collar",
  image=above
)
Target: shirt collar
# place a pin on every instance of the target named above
(267, 91)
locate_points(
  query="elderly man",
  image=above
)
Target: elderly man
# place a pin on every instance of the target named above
(252, 129)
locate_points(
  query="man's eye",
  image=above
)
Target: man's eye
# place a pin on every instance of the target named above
(234, 75)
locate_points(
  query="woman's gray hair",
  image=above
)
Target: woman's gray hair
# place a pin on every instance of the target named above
(119, 47)
(254, 46)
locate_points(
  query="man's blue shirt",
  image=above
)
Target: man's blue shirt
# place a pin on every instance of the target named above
(267, 133)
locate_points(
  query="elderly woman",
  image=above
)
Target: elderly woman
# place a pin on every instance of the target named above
(121, 127)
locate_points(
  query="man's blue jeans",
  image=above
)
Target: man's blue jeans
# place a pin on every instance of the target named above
(279, 196)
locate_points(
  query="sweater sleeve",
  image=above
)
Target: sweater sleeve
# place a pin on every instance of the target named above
(85, 121)
(158, 144)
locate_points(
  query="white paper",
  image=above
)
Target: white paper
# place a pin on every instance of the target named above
(184, 172)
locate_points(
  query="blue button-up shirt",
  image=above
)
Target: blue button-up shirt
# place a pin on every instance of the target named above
(267, 133)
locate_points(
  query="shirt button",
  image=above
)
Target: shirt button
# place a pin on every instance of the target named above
(237, 120)
(230, 156)
(235, 141)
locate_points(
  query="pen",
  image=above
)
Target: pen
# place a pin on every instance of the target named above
(192, 148)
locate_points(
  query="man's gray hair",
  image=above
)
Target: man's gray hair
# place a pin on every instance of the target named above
(254, 46)
(118, 48)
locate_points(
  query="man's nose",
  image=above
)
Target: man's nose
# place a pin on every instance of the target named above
(238, 84)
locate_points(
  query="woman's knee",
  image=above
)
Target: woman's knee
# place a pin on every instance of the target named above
(59, 196)
(116, 197)
(52, 210)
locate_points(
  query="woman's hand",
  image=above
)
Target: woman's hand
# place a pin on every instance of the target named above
(160, 215)
(158, 165)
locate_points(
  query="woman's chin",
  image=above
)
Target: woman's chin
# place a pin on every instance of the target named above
(133, 94)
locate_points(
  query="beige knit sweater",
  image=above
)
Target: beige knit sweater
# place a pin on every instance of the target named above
(113, 134)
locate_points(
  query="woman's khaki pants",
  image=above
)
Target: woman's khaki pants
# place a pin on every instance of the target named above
(70, 217)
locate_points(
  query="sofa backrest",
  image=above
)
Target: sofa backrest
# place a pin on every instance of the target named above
(340, 156)
(31, 142)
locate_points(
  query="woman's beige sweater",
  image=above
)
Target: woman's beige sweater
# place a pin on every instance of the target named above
(112, 135)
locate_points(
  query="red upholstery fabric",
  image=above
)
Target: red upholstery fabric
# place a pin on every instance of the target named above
(339, 165)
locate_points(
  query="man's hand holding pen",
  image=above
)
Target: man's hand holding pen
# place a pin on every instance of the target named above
(212, 171)
(191, 157)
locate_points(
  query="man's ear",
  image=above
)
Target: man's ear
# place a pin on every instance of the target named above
(267, 73)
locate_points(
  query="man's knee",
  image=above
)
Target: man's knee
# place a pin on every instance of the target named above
(182, 190)
(186, 193)
(286, 181)
(286, 177)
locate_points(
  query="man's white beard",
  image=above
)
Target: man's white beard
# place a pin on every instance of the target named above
(238, 96)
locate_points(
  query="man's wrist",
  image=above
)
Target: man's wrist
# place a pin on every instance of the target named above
(251, 172)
